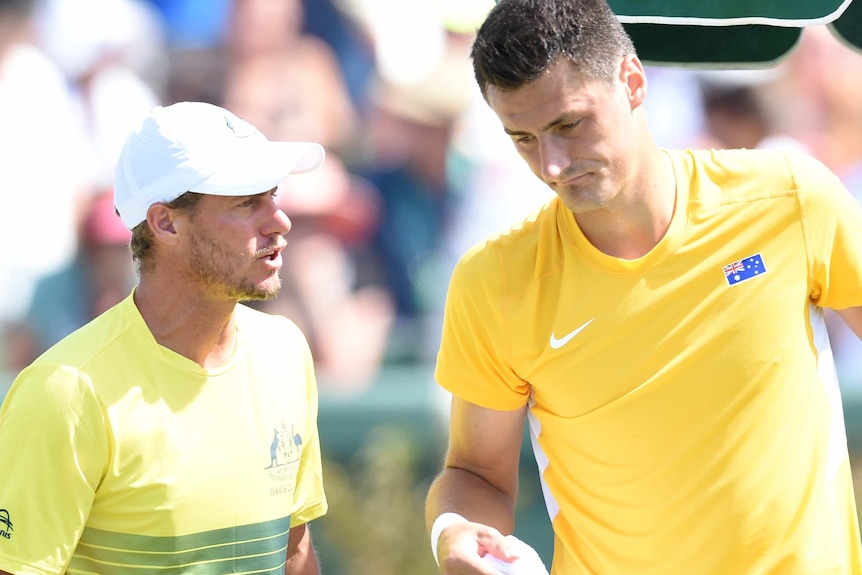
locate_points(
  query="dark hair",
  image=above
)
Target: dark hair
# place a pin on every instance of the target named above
(520, 39)
(142, 236)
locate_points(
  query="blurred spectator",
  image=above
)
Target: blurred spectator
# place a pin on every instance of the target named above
(112, 54)
(40, 168)
(409, 131)
(287, 79)
(328, 20)
(69, 97)
(193, 24)
(101, 275)
(290, 84)
(443, 182)
(737, 113)
(817, 103)
(268, 70)
(674, 107)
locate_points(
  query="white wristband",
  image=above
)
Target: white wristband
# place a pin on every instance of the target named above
(441, 523)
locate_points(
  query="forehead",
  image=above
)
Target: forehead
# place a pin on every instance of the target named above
(560, 91)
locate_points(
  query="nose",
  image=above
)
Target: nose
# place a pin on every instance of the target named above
(282, 221)
(553, 159)
(277, 222)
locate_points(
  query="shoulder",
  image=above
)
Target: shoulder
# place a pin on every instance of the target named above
(511, 257)
(751, 174)
(91, 357)
(94, 341)
(62, 378)
(741, 162)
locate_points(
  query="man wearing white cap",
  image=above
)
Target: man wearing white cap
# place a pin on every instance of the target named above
(178, 430)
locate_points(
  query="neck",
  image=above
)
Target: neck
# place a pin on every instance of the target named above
(639, 217)
(187, 322)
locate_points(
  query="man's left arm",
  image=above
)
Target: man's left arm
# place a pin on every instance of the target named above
(852, 316)
(301, 557)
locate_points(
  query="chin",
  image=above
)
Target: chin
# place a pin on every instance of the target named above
(258, 296)
(260, 292)
(265, 293)
(580, 205)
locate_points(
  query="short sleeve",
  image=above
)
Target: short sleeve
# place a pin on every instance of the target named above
(832, 223)
(54, 451)
(475, 350)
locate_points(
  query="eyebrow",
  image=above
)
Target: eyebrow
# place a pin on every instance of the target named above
(555, 122)
(268, 192)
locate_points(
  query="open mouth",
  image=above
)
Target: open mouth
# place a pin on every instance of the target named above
(269, 254)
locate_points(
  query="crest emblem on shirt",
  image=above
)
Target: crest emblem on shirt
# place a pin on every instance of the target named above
(285, 448)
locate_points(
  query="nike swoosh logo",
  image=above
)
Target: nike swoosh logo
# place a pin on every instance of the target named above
(558, 343)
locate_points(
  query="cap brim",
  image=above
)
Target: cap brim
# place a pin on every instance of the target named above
(257, 169)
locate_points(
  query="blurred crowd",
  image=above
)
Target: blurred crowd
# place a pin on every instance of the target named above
(417, 170)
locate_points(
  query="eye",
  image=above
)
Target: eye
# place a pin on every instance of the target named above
(523, 140)
(571, 125)
(248, 202)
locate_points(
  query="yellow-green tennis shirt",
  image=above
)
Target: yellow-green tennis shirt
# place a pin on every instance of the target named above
(119, 456)
(683, 407)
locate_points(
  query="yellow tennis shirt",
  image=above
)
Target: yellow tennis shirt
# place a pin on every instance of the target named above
(121, 456)
(683, 407)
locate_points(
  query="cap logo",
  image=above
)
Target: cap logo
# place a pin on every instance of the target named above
(241, 130)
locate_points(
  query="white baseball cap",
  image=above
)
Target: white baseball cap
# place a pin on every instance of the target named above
(199, 147)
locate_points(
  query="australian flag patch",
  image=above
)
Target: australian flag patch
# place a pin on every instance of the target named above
(744, 269)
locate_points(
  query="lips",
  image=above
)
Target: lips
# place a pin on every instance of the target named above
(573, 179)
(271, 253)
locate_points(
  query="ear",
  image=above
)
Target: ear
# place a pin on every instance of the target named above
(633, 77)
(162, 222)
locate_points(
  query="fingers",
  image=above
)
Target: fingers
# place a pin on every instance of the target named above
(526, 560)
(508, 548)
(463, 546)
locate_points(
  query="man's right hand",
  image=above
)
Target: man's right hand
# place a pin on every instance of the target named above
(476, 549)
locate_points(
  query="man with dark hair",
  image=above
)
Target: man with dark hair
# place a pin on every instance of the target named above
(660, 325)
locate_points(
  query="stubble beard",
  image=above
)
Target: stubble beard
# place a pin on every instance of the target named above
(586, 196)
(210, 266)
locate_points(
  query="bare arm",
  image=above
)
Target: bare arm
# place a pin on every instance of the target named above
(853, 318)
(301, 558)
(479, 481)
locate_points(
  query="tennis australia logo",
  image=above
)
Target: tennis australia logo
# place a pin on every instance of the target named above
(5, 524)
(284, 451)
